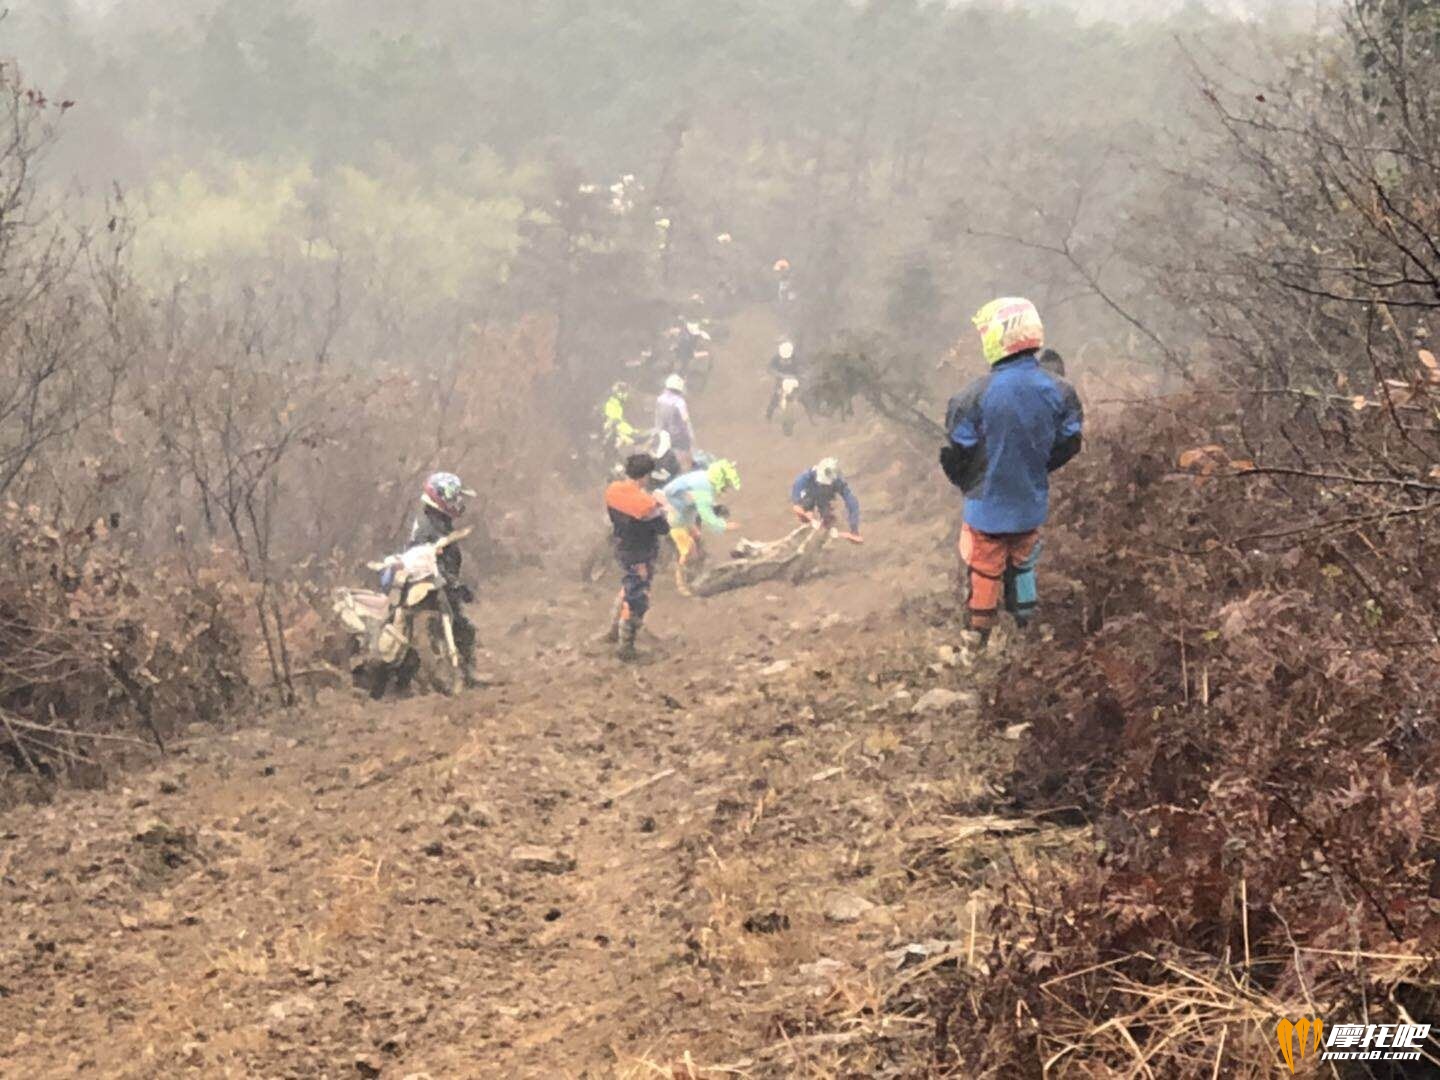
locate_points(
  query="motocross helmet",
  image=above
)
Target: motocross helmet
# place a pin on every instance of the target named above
(675, 382)
(444, 492)
(723, 476)
(1008, 326)
(620, 390)
(827, 472)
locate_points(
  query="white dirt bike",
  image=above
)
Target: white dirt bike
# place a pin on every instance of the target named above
(408, 630)
(789, 405)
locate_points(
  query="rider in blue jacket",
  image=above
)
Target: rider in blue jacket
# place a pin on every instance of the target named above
(1008, 431)
(814, 492)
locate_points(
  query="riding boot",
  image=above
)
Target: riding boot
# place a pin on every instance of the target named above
(629, 628)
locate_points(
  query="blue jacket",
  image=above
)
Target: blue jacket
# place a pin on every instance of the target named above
(809, 494)
(1008, 431)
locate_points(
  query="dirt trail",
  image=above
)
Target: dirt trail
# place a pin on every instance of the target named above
(733, 840)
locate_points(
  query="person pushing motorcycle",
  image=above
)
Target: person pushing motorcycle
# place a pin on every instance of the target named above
(442, 500)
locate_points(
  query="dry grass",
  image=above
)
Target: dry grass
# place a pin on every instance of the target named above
(358, 894)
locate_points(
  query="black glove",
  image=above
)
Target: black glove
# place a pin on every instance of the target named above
(463, 593)
(956, 462)
(1064, 450)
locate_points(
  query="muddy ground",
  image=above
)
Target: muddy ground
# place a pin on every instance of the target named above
(748, 856)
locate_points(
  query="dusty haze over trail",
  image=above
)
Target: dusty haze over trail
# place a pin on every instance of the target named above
(268, 268)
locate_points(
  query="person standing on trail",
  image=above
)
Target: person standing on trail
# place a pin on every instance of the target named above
(442, 500)
(639, 521)
(1008, 430)
(672, 416)
(694, 506)
(813, 495)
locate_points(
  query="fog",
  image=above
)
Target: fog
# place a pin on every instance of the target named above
(427, 147)
(507, 208)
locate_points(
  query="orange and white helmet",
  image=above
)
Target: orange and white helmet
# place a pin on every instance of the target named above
(1008, 326)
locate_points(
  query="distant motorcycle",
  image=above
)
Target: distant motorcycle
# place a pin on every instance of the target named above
(691, 357)
(789, 404)
(407, 630)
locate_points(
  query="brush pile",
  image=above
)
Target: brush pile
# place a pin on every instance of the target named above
(1242, 698)
(96, 651)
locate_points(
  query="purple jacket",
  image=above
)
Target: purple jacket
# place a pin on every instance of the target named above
(672, 416)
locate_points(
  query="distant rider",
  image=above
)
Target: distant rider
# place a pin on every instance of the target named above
(442, 500)
(672, 416)
(693, 498)
(785, 364)
(1008, 431)
(639, 521)
(813, 495)
(618, 434)
(687, 340)
(784, 289)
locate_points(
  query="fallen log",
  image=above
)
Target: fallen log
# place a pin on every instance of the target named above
(792, 557)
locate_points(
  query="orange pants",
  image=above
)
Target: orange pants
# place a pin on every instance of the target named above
(998, 565)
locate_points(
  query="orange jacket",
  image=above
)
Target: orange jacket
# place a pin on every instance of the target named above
(638, 519)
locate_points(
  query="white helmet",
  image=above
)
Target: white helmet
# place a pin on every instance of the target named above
(676, 383)
(827, 471)
(787, 350)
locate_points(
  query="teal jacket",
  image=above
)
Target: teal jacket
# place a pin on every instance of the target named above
(692, 501)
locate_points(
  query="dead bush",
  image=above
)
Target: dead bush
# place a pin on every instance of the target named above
(97, 654)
